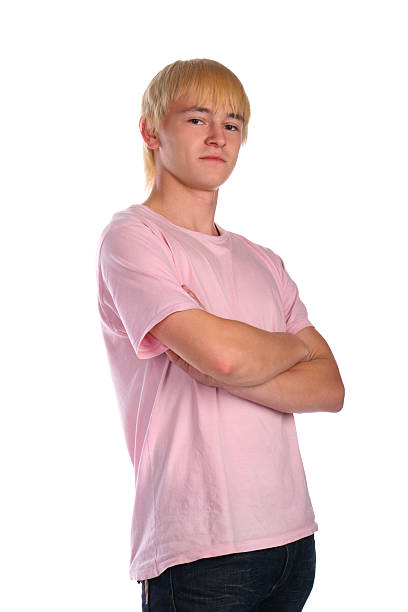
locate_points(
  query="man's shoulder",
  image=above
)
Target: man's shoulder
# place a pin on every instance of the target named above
(128, 222)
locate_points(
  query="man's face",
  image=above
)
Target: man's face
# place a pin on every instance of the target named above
(189, 134)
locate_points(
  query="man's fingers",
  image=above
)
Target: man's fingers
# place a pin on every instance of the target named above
(189, 291)
(192, 295)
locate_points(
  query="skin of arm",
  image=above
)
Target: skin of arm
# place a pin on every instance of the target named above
(234, 352)
(255, 355)
(311, 385)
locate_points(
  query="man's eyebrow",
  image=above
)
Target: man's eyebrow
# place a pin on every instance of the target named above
(201, 109)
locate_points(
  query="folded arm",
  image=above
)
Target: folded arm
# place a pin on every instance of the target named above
(231, 351)
(308, 386)
(282, 371)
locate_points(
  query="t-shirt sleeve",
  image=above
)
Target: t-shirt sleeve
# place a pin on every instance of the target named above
(139, 272)
(296, 314)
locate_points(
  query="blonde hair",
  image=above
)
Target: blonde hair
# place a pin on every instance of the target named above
(202, 78)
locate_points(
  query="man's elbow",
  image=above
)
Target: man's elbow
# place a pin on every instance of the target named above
(338, 398)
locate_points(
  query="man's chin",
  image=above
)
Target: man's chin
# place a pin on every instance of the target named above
(208, 183)
(202, 185)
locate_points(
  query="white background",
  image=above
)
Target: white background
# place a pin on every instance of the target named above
(322, 181)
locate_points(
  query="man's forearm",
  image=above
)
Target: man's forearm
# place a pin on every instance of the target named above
(308, 386)
(248, 355)
(256, 355)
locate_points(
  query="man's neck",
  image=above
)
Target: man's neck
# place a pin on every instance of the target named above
(203, 223)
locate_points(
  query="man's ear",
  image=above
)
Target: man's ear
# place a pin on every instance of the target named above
(149, 133)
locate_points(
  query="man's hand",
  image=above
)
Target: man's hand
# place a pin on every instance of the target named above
(193, 295)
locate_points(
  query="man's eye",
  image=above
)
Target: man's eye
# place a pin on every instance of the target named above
(228, 125)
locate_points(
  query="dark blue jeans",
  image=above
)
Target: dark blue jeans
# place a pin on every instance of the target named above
(279, 579)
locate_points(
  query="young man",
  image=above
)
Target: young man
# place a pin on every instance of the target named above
(211, 352)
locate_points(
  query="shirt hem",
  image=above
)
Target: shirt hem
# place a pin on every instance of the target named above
(223, 549)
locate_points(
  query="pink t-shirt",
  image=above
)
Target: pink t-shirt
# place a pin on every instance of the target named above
(214, 473)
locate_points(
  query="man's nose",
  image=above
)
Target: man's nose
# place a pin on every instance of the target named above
(216, 134)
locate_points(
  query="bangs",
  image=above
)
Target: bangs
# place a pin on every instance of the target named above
(201, 80)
